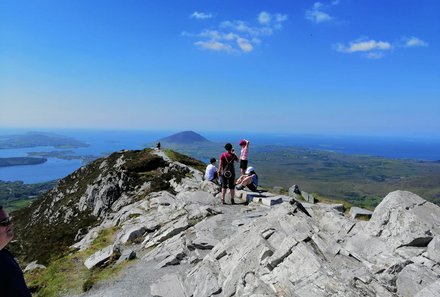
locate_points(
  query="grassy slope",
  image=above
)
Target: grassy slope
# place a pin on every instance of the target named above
(16, 195)
(361, 180)
(68, 273)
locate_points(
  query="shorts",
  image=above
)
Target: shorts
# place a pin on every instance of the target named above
(228, 183)
(252, 187)
(243, 164)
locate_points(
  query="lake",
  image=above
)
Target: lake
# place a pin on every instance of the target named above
(102, 143)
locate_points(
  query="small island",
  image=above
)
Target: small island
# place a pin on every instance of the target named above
(65, 155)
(16, 161)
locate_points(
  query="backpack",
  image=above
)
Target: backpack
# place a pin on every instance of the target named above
(226, 170)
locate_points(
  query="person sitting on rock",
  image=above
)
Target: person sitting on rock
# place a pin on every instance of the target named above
(249, 179)
(211, 171)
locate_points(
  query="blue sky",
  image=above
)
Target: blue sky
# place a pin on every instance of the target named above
(327, 67)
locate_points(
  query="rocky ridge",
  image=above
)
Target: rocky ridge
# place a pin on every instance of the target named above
(187, 244)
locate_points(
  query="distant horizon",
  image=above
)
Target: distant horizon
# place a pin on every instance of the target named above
(169, 132)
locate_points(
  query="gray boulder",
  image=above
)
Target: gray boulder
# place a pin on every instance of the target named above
(405, 219)
(103, 257)
(433, 251)
(210, 187)
(168, 286)
(308, 197)
(294, 191)
(357, 212)
(33, 266)
(413, 278)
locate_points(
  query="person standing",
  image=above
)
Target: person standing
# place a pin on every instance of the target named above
(244, 144)
(12, 283)
(227, 172)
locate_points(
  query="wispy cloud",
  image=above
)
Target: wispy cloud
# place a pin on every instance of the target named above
(200, 15)
(414, 42)
(239, 36)
(317, 13)
(363, 46)
(214, 45)
(274, 20)
(370, 49)
(373, 49)
(374, 55)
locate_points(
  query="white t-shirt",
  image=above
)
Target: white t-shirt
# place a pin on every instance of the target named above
(209, 173)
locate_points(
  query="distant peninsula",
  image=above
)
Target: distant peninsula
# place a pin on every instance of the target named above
(185, 137)
(35, 139)
(16, 161)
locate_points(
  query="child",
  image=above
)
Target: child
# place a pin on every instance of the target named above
(244, 144)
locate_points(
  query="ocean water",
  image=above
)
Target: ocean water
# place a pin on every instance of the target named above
(102, 143)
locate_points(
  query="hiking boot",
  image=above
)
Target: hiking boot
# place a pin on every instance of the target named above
(239, 187)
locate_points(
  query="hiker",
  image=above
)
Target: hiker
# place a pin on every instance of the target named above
(12, 283)
(249, 179)
(211, 171)
(158, 146)
(244, 144)
(226, 171)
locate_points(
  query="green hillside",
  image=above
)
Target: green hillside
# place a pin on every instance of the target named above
(361, 180)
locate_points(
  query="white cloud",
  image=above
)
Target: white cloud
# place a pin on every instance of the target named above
(370, 49)
(264, 18)
(414, 42)
(272, 20)
(317, 15)
(239, 26)
(214, 45)
(212, 34)
(363, 46)
(239, 36)
(244, 45)
(373, 49)
(200, 15)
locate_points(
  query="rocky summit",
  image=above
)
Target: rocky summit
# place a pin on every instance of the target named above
(174, 238)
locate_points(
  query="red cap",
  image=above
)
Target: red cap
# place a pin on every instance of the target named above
(242, 142)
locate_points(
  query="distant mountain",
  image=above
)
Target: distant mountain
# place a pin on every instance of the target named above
(185, 137)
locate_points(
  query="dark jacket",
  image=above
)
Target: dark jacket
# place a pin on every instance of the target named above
(12, 282)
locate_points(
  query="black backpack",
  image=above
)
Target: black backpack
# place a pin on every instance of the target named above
(228, 168)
